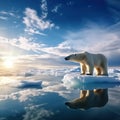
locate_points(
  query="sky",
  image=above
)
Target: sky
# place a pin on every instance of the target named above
(40, 33)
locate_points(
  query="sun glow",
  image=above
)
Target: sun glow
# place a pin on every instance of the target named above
(8, 62)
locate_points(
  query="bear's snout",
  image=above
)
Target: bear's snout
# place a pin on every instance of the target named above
(66, 58)
(68, 104)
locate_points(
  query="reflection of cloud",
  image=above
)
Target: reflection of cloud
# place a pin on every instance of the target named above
(37, 113)
(47, 102)
(27, 94)
(53, 80)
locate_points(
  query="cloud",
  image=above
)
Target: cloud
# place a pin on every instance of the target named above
(114, 3)
(7, 13)
(26, 44)
(34, 23)
(3, 18)
(34, 31)
(38, 55)
(28, 54)
(22, 43)
(94, 39)
(114, 8)
(44, 9)
(4, 15)
(56, 8)
(62, 50)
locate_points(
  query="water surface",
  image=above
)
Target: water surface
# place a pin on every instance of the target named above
(43, 97)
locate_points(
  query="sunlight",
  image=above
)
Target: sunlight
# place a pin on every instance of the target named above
(8, 62)
(6, 80)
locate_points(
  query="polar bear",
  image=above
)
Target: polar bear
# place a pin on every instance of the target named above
(89, 61)
(89, 99)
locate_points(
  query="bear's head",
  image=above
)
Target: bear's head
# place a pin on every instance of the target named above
(76, 57)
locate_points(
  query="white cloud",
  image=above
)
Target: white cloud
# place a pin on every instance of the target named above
(20, 44)
(44, 9)
(26, 44)
(114, 9)
(6, 14)
(96, 40)
(3, 18)
(89, 39)
(60, 50)
(32, 31)
(92, 39)
(56, 8)
(28, 53)
(34, 23)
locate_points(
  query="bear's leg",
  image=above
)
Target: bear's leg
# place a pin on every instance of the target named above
(90, 69)
(98, 71)
(83, 69)
(104, 70)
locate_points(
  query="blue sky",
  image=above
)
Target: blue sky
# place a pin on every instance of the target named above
(42, 32)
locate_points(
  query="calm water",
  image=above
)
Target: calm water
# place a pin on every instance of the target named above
(28, 100)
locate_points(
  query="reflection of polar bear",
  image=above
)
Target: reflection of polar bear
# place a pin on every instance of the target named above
(90, 61)
(89, 99)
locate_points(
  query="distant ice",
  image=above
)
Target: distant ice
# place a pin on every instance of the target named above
(70, 78)
(30, 84)
(13, 82)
